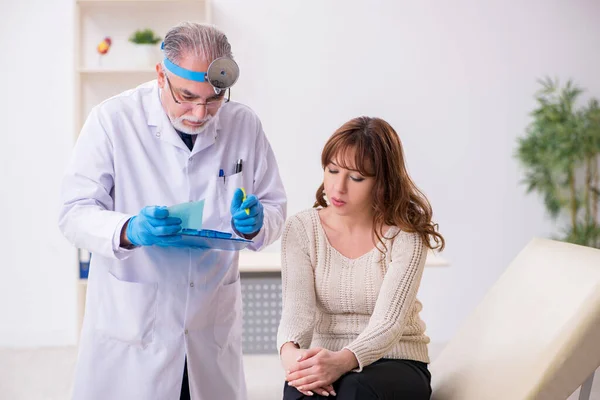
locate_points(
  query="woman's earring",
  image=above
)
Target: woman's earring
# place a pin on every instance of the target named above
(325, 198)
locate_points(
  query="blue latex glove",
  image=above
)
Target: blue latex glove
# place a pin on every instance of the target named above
(153, 226)
(244, 222)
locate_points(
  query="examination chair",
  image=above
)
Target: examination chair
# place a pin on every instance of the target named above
(535, 335)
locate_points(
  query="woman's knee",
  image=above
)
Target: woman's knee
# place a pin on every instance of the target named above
(291, 393)
(354, 387)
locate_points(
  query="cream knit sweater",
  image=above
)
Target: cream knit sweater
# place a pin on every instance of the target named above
(367, 304)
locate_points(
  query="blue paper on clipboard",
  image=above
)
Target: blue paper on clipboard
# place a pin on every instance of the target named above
(193, 235)
(189, 213)
(209, 239)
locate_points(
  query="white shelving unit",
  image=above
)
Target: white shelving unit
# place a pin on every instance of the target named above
(98, 77)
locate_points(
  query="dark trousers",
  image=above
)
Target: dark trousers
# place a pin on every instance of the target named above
(385, 379)
(185, 385)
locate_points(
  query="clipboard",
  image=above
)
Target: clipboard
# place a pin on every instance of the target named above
(209, 239)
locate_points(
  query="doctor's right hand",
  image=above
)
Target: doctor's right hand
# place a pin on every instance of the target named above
(153, 226)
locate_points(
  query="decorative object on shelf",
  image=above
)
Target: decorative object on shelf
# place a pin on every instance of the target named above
(561, 155)
(145, 50)
(103, 48)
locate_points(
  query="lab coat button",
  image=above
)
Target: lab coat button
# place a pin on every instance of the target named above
(186, 331)
(191, 284)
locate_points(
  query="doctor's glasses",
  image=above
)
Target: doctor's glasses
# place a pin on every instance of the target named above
(211, 104)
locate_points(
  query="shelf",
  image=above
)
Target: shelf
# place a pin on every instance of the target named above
(251, 261)
(271, 262)
(434, 260)
(133, 2)
(108, 71)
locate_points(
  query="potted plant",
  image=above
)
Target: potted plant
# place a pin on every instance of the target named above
(560, 153)
(145, 50)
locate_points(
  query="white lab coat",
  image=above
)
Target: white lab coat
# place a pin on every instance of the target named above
(150, 307)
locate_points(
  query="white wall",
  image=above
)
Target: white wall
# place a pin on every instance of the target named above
(455, 79)
(38, 270)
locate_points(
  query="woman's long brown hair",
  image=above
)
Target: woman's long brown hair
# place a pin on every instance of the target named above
(378, 153)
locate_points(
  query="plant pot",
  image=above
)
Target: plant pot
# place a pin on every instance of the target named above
(145, 55)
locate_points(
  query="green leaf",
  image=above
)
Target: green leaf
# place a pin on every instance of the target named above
(560, 142)
(585, 234)
(144, 36)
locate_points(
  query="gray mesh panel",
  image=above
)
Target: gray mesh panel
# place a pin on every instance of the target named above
(261, 297)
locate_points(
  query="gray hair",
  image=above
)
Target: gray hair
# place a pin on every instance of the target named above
(198, 40)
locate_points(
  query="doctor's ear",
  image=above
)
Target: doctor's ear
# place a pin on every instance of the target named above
(160, 75)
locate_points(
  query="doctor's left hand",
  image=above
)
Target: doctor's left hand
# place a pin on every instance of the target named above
(245, 223)
(153, 226)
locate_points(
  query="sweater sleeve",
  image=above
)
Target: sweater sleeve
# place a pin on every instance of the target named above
(298, 287)
(396, 298)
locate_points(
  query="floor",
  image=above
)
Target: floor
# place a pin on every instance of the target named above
(47, 373)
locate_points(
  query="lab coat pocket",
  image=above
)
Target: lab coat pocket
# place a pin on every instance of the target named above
(228, 318)
(226, 191)
(127, 311)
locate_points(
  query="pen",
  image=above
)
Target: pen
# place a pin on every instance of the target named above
(244, 199)
(238, 169)
(222, 174)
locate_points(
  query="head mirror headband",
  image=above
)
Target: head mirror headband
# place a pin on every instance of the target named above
(222, 73)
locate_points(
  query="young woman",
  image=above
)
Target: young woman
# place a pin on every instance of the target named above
(351, 268)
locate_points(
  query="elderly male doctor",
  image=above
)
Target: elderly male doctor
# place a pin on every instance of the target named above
(163, 321)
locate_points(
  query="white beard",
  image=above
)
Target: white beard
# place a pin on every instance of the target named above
(181, 127)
